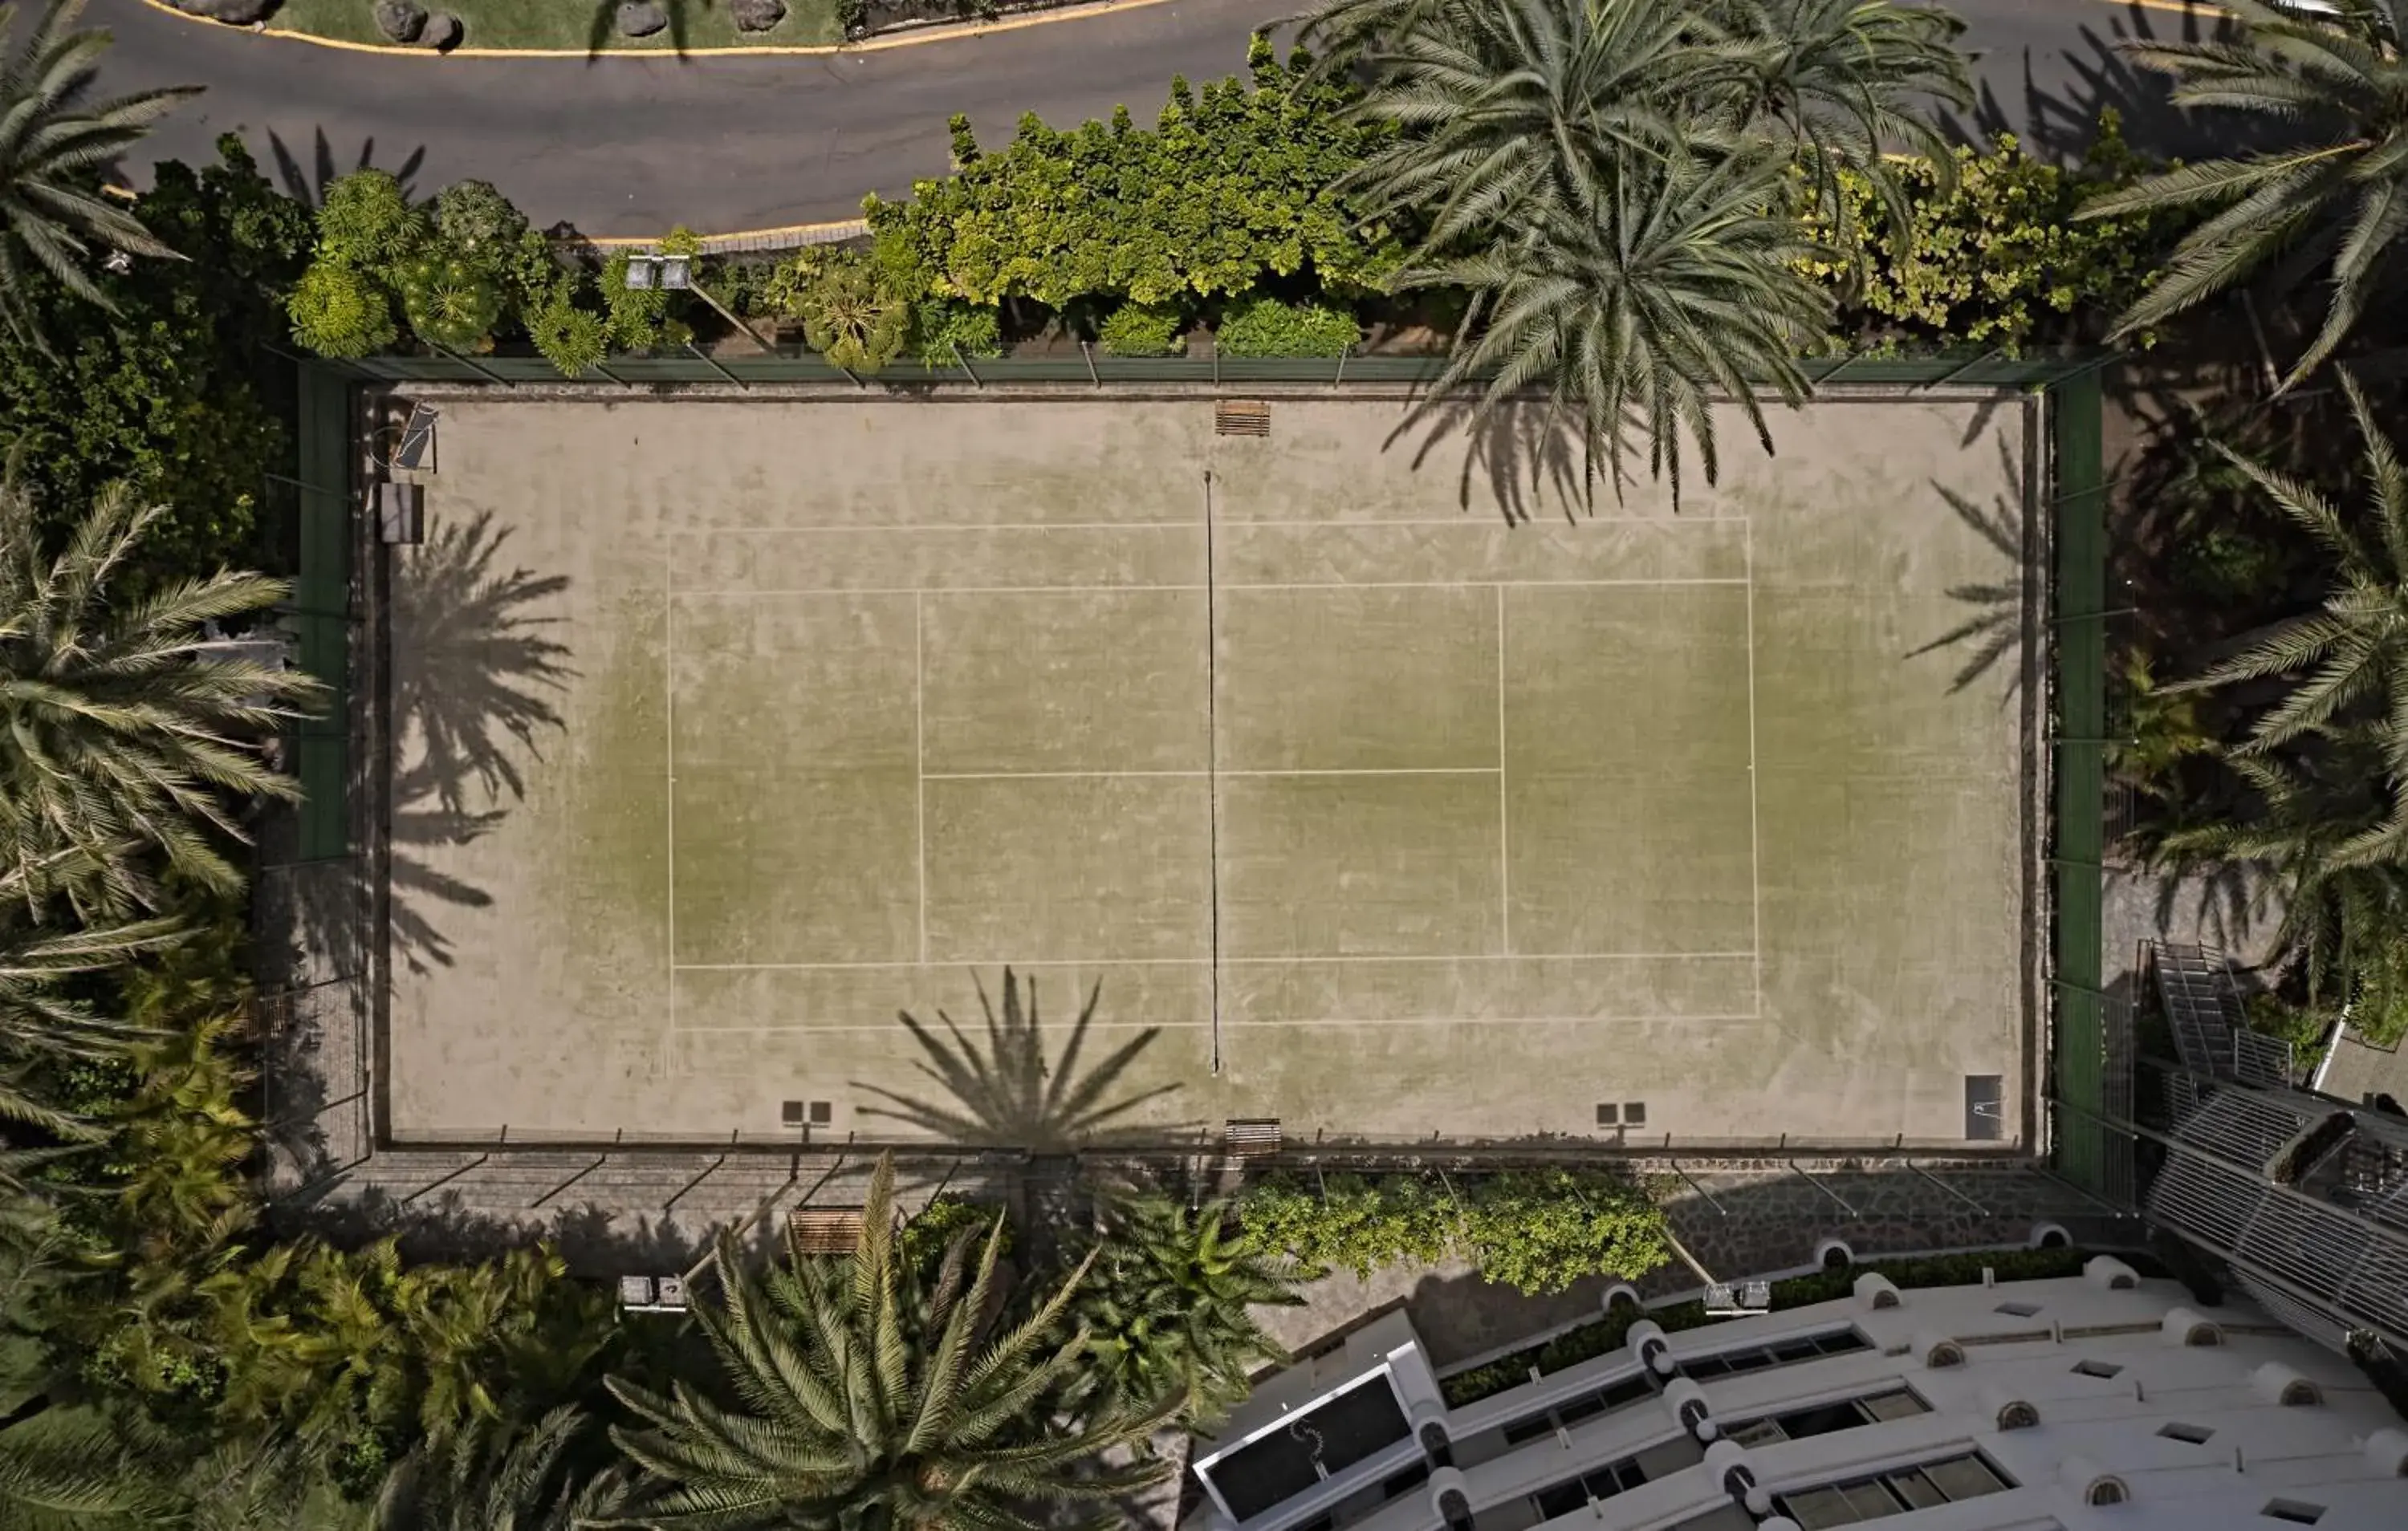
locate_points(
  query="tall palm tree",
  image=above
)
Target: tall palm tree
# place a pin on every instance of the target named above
(1682, 285)
(133, 730)
(2338, 200)
(42, 1022)
(1617, 183)
(1169, 1302)
(497, 1476)
(2344, 667)
(868, 1399)
(52, 140)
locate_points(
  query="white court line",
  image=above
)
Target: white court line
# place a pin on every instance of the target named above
(1504, 833)
(1058, 776)
(1200, 962)
(668, 749)
(940, 590)
(919, 756)
(1479, 584)
(953, 526)
(1469, 524)
(1048, 776)
(1299, 1023)
(1754, 837)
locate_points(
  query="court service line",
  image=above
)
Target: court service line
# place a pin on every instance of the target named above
(1105, 776)
(668, 750)
(1754, 833)
(1504, 835)
(816, 526)
(920, 755)
(1310, 960)
(1475, 584)
(1288, 1023)
(940, 590)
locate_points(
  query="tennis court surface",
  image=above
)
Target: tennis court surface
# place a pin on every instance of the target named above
(1367, 810)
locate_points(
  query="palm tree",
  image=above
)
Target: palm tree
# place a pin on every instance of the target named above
(1616, 183)
(51, 141)
(133, 730)
(493, 1476)
(2340, 199)
(40, 1022)
(1681, 286)
(2345, 666)
(865, 1398)
(1168, 1307)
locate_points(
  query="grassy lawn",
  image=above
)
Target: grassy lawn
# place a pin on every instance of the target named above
(571, 24)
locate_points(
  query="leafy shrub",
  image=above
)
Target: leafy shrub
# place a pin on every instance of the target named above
(1265, 326)
(1538, 1231)
(942, 328)
(339, 311)
(1225, 188)
(477, 220)
(1997, 257)
(368, 222)
(851, 319)
(638, 318)
(568, 336)
(927, 1233)
(1142, 329)
(450, 301)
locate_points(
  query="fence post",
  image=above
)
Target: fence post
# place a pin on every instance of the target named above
(965, 363)
(1340, 381)
(1089, 353)
(712, 362)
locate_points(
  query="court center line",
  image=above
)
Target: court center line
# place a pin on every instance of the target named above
(1296, 1023)
(668, 766)
(1504, 839)
(1200, 962)
(939, 589)
(1081, 776)
(1755, 834)
(920, 755)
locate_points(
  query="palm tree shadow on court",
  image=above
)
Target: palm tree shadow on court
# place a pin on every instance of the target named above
(473, 697)
(1002, 1090)
(1993, 633)
(1530, 457)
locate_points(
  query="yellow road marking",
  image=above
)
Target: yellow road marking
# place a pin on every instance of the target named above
(918, 38)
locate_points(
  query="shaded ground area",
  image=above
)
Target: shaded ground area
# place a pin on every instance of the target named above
(589, 24)
(724, 730)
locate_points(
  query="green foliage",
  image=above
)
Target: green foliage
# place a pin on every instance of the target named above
(475, 220)
(945, 1220)
(166, 391)
(1228, 188)
(1265, 326)
(942, 328)
(569, 337)
(850, 316)
(2162, 730)
(1992, 252)
(861, 1387)
(450, 300)
(2303, 1026)
(638, 318)
(1537, 1230)
(1167, 1308)
(366, 222)
(1142, 329)
(342, 312)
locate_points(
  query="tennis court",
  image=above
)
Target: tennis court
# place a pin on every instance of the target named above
(1367, 810)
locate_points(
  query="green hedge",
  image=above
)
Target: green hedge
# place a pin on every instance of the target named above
(1535, 1230)
(1599, 1336)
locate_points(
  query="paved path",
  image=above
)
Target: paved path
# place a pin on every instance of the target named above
(629, 145)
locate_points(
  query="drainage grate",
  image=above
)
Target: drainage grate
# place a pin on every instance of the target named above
(1241, 417)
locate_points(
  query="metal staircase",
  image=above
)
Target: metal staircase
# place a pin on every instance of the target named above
(2204, 1012)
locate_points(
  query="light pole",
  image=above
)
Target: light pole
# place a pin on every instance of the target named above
(675, 274)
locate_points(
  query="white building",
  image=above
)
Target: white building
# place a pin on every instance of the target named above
(2091, 1403)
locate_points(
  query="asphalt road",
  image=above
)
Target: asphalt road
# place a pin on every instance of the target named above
(630, 145)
